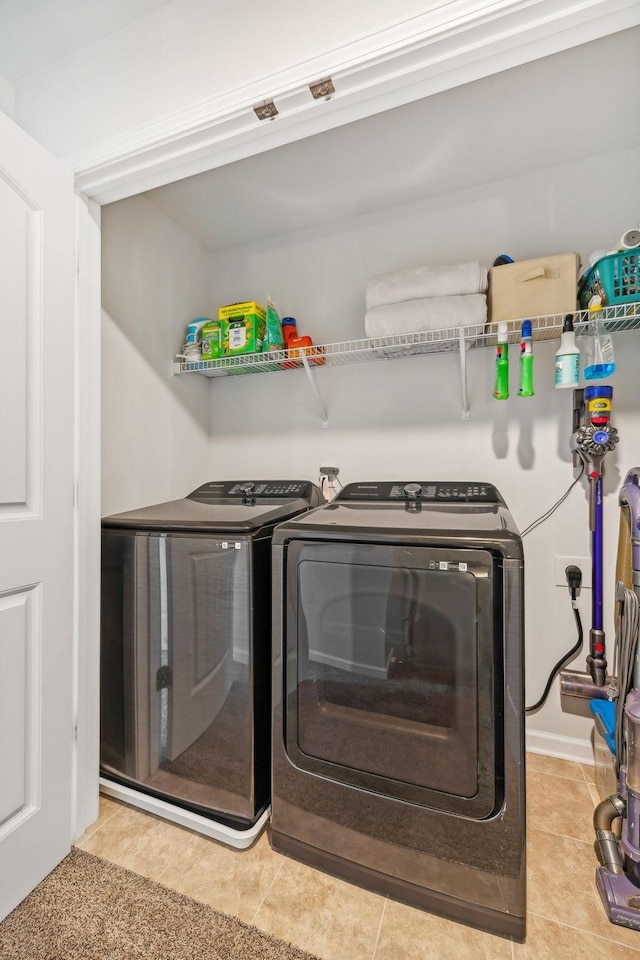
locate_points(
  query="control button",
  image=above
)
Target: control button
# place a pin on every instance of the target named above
(412, 491)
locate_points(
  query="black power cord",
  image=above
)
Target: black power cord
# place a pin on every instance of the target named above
(574, 582)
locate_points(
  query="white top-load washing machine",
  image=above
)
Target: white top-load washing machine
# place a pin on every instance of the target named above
(185, 652)
(398, 733)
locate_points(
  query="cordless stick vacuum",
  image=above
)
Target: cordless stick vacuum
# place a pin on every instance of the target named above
(594, 438)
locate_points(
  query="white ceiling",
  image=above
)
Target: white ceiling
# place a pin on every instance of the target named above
(36, 33)
(553, 111)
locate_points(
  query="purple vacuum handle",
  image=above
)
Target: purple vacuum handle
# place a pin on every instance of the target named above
(597, 571)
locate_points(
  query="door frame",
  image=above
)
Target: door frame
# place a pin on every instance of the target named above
(457, 43)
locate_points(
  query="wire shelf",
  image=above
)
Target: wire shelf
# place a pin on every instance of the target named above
(617, 319)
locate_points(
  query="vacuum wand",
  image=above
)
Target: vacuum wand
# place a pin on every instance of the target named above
(593, 438)
(596, 660)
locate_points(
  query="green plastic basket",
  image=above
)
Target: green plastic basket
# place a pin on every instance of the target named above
(615, 278)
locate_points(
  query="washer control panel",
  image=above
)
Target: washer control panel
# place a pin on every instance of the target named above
(423, 491)
(224, 489)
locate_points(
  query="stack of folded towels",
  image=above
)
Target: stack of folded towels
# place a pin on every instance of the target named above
(426, 298)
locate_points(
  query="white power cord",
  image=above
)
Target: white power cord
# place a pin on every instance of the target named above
(191, 351)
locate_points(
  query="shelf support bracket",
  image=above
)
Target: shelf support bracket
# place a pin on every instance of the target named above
(314, 387)
(463, 374)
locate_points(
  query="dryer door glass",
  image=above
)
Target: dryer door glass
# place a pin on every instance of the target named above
(395, 670)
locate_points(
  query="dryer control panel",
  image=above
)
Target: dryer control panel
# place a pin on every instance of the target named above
(424, 491)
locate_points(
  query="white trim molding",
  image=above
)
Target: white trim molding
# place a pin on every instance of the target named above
(455, 43)
(565, 748)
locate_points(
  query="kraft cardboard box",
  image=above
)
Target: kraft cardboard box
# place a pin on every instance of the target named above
(244, 327)
(533, 288)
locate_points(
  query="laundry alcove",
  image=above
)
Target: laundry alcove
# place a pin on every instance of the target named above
(529, 161)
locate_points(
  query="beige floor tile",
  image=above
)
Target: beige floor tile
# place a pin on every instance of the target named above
(595, 796)
(137, 841)
(316, 912)
(107, 809)
(559, 806)
(232, 881)
(561, 887)
(539, 763)
(408, 934)
(589, 771)
(553, 941)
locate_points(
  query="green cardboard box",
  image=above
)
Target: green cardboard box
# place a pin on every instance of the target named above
(244, 326)
(212, 336)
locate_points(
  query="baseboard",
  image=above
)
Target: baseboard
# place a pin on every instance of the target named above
(565, 748)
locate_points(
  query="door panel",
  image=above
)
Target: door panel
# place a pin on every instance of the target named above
(20, 332)
(18, 705)
(37, 470)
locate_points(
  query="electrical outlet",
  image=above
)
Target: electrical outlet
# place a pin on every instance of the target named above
(561, 564)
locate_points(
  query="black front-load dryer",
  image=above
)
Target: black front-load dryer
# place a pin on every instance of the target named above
(398, 734)
(186, 650)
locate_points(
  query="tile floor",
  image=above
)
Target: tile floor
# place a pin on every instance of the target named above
(335, 920)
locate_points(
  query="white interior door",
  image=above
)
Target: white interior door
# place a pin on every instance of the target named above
(37, 448)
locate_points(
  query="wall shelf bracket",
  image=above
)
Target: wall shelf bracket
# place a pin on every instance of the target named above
(463, 373)
(314, 387)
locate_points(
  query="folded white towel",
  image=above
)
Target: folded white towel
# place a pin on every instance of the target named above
(415, 316)
(430, 313)
(429, 281)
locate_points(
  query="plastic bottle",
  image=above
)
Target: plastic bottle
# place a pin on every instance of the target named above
(501, 390)
(526, 360)
(567, 357)
(598, 362)
(289, 329)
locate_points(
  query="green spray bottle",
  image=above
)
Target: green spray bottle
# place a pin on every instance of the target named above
(526, 360)
(501, 390)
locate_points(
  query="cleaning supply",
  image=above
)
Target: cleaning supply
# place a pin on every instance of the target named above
(567, 357)
(289, 329)
(501, 390)
(526, 360)
(194, 329)
(273, 338)
(599, 362)
(244, 327)
(211, 340)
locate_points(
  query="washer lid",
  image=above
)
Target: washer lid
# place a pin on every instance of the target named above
(243, 506)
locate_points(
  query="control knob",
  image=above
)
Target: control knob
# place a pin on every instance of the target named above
(247, 490)
(412, 491)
